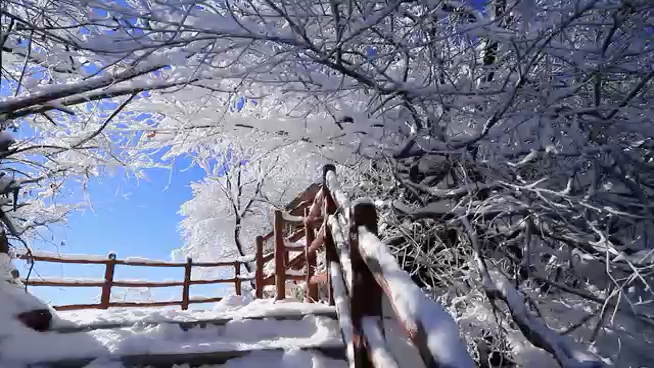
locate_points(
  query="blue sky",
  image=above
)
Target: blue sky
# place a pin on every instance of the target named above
(132, 219)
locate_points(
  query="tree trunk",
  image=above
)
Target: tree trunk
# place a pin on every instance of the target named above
(239, 246)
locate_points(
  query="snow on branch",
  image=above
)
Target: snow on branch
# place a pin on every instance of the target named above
(532, 328)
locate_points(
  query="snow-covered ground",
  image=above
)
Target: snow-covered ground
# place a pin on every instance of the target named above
(155, 331)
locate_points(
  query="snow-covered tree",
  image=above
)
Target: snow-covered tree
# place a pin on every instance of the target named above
(246, 178)
(512, 140)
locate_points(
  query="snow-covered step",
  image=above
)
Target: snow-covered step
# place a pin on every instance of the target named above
(186, 325)
(165, 344)
(278, 359)
(299, 357)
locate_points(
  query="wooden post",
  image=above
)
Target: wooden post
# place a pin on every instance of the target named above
(329, 207)
(187, 283)
(105, 297)
(311, 292)
(280, 251)
(259, 270)
(237, 277)
(366, 294)
(331, 256)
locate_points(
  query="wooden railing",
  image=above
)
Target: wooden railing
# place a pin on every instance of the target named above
(361, 270)
(108, 282)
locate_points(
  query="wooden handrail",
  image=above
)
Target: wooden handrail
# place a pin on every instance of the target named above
(361, 270)
(108, 282)
(373, 270)
(124, 262)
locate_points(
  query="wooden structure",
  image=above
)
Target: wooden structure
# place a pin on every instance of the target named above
(108, 282)
(360, 272)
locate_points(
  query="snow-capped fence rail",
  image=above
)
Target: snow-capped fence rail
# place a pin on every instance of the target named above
(361, 270)
(106, 283)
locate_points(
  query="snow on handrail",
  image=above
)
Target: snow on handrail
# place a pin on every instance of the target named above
(341, 301)
(130, 261)
(429, 326)
(291, 218)
(379, 352)
(336, 192)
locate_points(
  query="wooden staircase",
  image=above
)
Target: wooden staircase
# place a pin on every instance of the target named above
(367, 289)
(216, 344)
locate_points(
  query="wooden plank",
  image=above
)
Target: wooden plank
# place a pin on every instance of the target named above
(366, 293)
(237, 279)
(268, 257)
(213, 281)
(61, 260)
(145, 263)
(280, 254)
(63, 283)
(198, 300)
(148, 284)
(297, 235)
(310, 257)
(259, 268)
(145, 304)
(76, 307)
(294, 248)
(173, 264)
(186, 286)
(118, 283)
(105, 296)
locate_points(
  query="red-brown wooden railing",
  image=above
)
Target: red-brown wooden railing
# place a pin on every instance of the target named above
(361, 270)
(108, 282)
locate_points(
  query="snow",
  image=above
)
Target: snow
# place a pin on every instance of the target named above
(149, 334)
(295, 273)
(565, 351)
(379, 352)
(342, 307)
(232, 306)
(14, 300)
(68, 257)
(413, 306)
(291, 358)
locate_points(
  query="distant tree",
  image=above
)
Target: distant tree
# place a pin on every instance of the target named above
(246, 179)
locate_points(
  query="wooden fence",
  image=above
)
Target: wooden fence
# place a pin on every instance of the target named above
(108, 282)
(361, 270)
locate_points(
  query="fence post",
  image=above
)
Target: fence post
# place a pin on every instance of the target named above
(259, 270)
(105, 297)
(187, 283)
(329, 207)
(311, 290)
(331, 256)
(237, 277)
(366, 293)
(280, 251)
